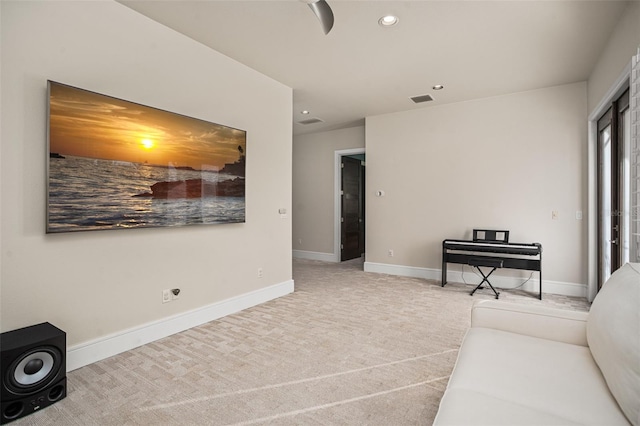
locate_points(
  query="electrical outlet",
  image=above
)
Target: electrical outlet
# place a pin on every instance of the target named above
(166, 296)
(175, 294)
(554, 215)
(259, 272)
(390, 253)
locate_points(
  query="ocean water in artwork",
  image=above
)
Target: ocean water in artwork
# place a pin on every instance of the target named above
(92, 194)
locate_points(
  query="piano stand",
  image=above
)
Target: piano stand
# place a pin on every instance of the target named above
(477, 262)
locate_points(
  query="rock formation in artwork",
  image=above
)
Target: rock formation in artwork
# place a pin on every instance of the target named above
(195, 188)
(237, 168)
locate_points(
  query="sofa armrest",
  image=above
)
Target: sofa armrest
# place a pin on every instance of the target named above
(537, 321)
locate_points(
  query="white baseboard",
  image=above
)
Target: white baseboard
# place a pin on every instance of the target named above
(555, 287)
(104, 347)
(314, 255)
(404, 271)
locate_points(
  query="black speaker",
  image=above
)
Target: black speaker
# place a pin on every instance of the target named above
(34, 369)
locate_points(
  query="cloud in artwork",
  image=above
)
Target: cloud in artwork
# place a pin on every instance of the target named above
(88, 124)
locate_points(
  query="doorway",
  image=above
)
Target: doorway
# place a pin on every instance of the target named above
(352, 211)
(613, 143)
(349, 204)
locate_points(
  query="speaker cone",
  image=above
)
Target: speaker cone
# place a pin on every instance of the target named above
(33, 369)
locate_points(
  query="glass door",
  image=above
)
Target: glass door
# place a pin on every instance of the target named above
(606, 240)
(626, 223)
(613, 188)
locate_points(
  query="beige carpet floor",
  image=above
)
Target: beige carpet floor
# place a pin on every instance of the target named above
(346, 348)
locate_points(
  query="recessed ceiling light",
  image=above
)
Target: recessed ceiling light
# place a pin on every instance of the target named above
(388, 20)
(438, 87)
(305, 112)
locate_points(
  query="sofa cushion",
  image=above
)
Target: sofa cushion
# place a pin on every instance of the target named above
(613, 333)
(467, 407)
(553, 382)
(561, 325)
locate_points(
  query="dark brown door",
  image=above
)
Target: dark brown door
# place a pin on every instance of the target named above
(352, 221)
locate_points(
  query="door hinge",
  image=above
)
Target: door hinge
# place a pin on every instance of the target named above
(342, 165)
(342, 219)
(341, 246)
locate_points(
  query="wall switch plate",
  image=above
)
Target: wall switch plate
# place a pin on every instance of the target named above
(166, 296)
(554, 215)
(578, 214)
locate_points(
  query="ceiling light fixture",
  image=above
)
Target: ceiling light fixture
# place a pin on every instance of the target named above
(305, 112)
(388, 21)
(438, 87)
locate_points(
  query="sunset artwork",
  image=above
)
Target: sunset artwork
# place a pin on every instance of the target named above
(115, 164)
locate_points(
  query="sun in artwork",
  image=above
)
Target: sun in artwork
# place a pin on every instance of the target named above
(147, 143)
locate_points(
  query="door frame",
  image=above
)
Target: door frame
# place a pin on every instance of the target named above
(337, 197)
(615, 90)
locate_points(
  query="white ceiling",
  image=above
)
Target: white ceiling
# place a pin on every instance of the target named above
(474, 48)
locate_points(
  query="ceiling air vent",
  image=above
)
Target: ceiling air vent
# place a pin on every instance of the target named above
(421, 98)
(311, 121)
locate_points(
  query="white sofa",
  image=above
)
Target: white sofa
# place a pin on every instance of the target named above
(531, 365)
